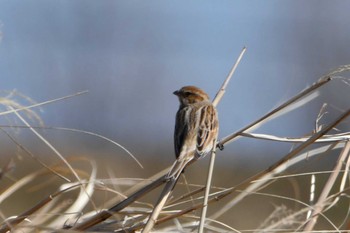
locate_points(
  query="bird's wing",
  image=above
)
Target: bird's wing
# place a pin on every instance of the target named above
(181, 130)
(207, 130)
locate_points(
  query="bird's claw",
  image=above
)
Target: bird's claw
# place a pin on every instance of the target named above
(220, 146)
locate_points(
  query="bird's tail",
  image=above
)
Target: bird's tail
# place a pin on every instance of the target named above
(177, 167)
(160, 204)
(171, 177)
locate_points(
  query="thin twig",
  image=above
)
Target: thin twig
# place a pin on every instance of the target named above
(105, 214)
(77, 131)
(81, 201)
(325, 138)
(178, 166)
(33, 156)
(307, 91)
(42, 103)
(190, 194)
(47, 143)
(327, 188)
(207, 189)
(159, 205)
(222, 90)
(5, 227)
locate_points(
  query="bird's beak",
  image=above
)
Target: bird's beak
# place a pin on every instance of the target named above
(176, 92)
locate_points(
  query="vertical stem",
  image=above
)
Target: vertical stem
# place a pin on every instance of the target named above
(207, 188)
(327, 188)
(222, 90)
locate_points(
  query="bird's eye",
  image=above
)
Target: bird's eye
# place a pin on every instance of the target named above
(187, 94)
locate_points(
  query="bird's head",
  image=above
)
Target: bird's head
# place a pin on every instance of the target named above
(190, 95)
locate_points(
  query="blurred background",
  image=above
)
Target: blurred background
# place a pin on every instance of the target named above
(131, 55)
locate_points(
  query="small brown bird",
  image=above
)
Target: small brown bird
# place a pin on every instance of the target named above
(196, 127)
(196, 130)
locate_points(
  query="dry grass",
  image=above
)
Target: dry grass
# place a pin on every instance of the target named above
(72, 197)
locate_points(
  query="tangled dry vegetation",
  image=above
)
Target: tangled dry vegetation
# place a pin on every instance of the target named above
(73, 203)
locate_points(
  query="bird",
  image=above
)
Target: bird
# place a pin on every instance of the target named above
(195, 135)
(196, 127)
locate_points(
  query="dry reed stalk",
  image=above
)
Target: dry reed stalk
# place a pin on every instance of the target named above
(321, 202)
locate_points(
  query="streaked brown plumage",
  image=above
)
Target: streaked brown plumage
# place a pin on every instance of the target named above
(196, 127)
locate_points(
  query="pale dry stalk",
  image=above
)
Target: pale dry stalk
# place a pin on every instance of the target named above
(322, 200)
